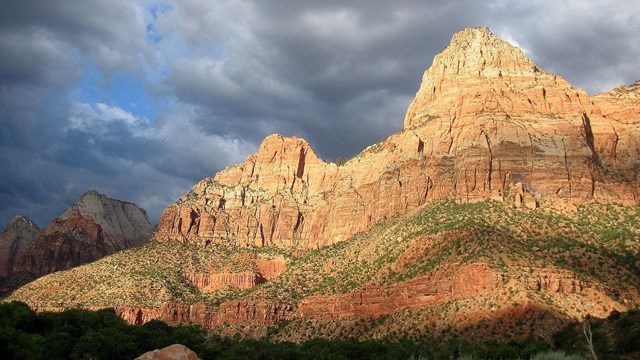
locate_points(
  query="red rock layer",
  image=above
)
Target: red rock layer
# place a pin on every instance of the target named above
(420, 292)
(486, 123)
(230, 312)
(206, 282)
(565, 283)
(263, 271)
(269, 269)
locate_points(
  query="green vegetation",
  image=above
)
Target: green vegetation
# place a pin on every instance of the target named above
(592, 250)
(81, 334)
(597, 242)
(612, 337)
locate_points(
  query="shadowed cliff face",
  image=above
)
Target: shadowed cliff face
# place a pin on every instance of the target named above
(486, 123)
(93, 227)
(17, 235)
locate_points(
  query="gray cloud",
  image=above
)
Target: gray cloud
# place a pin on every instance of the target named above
(228, 73)
(311, 69)
(110, 34)
(593, 44)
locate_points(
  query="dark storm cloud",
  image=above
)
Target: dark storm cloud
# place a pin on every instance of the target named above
(337, 73)
(110, 33)
(52, 147)
(227, 73)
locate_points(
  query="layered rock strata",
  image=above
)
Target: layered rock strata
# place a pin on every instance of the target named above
(263, 271)
(430, 291)
(421, 292)
(485, 123)
(212, 282)
(230, 312)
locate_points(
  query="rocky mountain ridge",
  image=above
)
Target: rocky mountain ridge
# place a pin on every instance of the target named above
(507, 205)
(92, 227)
(485, 123)
(15, 237)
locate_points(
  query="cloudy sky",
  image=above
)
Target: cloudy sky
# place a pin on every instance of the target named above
(141, 99)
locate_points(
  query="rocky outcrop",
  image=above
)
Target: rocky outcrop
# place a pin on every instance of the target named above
(482, 100)
(485, 123)
(263, 271)
(15, 237)
(423, 291)
(207, 282)
(565, 282)
(268, 200)
(93, 227)
(479, 74)
(171, 352)
(269, 269)
(621, 103)
(209, 316)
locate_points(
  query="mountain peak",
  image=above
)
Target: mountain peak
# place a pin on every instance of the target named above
(15, 237)
(481, 73)
(478, 51)
(94, 226)
(113, 215)
(89, 193)
(21, 222)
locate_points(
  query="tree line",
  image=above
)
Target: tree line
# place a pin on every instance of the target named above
(83, 334)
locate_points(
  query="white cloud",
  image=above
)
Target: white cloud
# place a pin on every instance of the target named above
(94, 118)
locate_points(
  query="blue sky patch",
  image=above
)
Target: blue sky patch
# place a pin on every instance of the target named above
(124, 90)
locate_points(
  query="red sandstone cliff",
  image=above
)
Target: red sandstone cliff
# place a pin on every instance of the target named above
(262, 271)
(486, 123)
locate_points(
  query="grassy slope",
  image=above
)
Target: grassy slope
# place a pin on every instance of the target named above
(597, 242)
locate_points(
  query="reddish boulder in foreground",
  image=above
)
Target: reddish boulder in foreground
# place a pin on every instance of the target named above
(171, 352)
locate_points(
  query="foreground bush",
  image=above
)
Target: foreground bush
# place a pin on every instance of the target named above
(82, 334)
